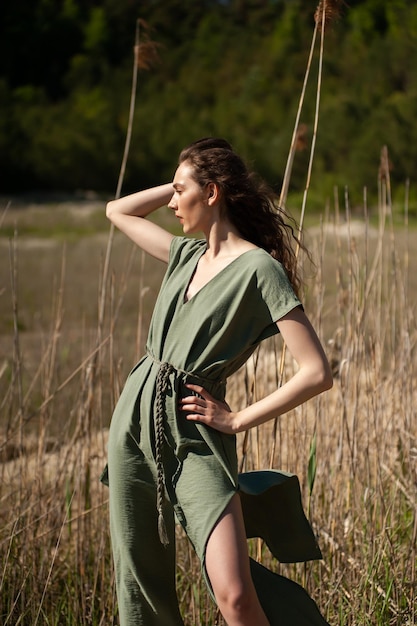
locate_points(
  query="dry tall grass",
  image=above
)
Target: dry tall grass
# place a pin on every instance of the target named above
(354, 448)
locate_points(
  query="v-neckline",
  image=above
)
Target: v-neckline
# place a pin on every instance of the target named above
(184, 293)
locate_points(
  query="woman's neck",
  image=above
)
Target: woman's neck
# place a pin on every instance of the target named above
(223, 239)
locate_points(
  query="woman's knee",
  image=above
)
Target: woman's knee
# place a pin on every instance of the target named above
(236, 599)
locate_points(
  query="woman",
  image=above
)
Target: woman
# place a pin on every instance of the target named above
(172, 441)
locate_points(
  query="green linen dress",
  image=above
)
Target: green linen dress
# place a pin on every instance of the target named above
(202, 341)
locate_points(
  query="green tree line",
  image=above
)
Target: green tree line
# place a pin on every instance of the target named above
(230, 68)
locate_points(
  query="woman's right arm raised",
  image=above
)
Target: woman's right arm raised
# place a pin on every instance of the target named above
(128, 214)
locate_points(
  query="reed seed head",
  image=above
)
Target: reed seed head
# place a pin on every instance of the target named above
(146, 51)
(385, 165)
(327, 12)
(301, 139)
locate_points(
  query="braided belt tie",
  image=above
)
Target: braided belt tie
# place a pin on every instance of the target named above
(162, 384)
(162, 381)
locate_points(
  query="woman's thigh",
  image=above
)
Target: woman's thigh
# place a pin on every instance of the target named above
(227, 559)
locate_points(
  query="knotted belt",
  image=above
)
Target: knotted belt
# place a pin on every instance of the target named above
(162, 383)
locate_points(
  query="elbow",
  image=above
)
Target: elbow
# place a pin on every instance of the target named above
(320, 377)
(109, 209)
(325, 379)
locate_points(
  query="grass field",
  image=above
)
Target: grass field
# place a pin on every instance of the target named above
(74, 315)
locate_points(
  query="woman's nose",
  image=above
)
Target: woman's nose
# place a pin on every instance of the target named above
(172, 204)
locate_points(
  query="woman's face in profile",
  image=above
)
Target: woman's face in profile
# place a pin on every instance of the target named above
(190, 201)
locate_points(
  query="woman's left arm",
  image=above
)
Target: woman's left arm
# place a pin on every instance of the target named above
(313, 377)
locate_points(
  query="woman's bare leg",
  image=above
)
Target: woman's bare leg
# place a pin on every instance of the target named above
(227, 564)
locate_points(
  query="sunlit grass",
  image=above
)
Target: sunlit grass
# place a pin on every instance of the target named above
(55, 554)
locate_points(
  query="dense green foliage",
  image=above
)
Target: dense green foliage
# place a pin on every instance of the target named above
(232, 68)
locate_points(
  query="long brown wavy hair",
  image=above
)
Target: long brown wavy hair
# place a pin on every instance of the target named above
(249, 202)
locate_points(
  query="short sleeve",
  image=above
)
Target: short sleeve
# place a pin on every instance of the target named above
(275, 287)
(182, 248)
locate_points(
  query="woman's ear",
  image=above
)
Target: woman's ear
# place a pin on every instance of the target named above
(213, 194)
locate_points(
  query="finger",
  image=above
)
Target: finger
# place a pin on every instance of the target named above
(193, 407)
(198, 389)
(196, 417)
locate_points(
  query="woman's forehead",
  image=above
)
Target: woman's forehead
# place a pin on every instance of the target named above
(183, 174)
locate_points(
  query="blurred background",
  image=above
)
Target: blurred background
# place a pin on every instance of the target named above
(229, 68)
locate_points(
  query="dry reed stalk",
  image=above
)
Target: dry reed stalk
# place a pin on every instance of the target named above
(4, 213)
(52, 358)
(143, 56)
(297, 129)
(17, 358)
(44, 373)
(359, 340)
(325, 13)
(324, 10)
(55, 552)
